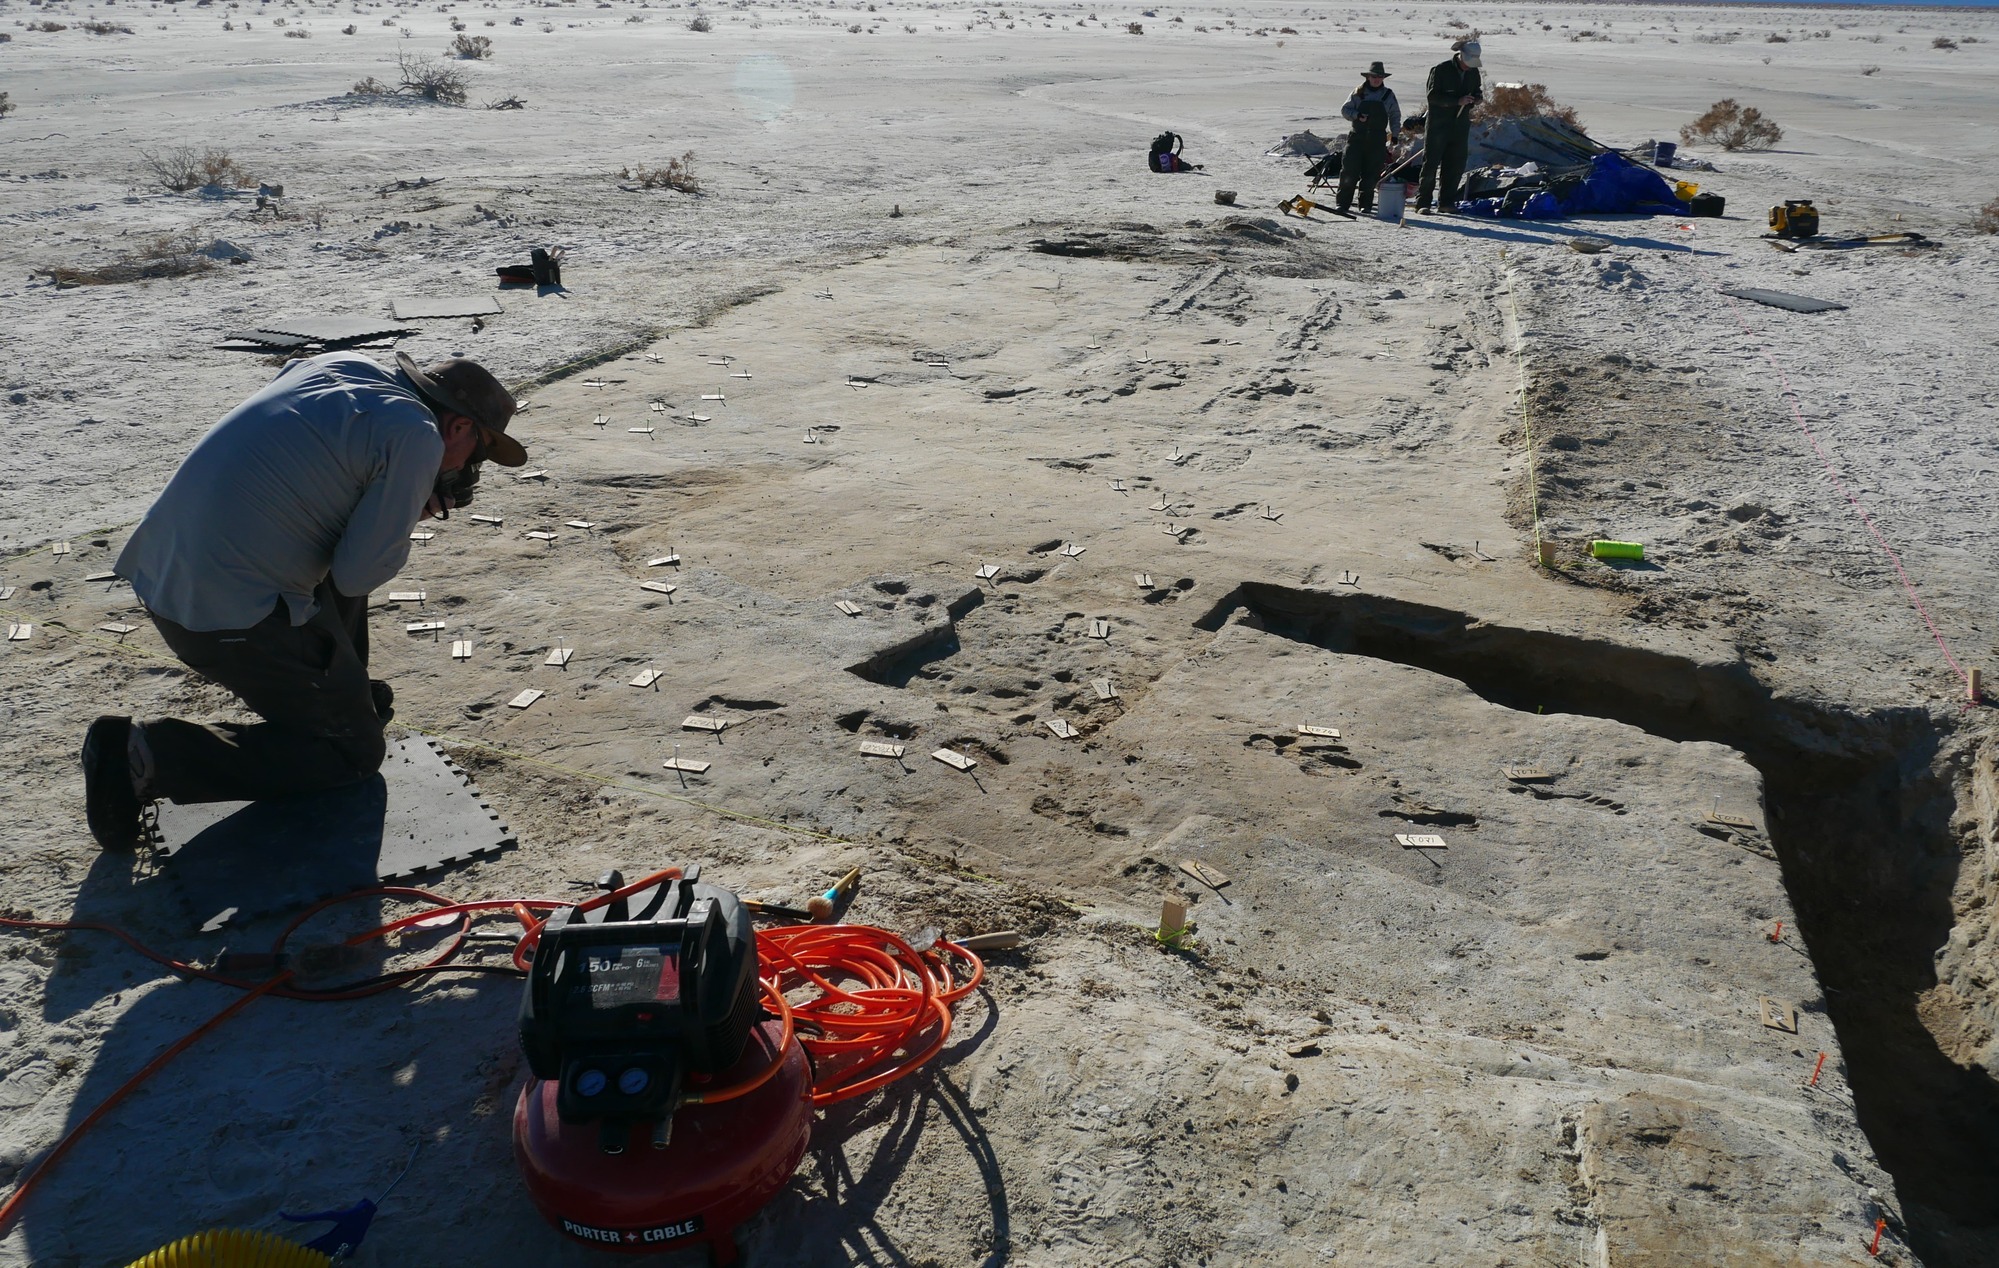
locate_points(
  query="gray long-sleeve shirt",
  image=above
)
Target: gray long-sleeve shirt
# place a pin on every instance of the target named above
(322, 474)
(1382, 98)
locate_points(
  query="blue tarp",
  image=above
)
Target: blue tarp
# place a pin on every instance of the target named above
(1615, 185)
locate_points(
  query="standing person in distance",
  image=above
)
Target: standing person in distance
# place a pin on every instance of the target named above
(1454, 89)
(1376, 116)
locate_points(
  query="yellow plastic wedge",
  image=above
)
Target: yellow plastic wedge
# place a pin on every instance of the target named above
(233, 1248)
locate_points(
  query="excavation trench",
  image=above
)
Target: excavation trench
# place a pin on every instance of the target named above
(1858, 808)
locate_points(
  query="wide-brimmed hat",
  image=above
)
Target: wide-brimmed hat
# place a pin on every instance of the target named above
(468, 388)
(1376, 69)
(1469, 52)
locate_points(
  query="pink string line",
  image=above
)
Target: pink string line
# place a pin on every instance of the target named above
(1798, 413)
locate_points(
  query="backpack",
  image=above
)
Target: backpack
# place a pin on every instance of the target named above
(1164, 155)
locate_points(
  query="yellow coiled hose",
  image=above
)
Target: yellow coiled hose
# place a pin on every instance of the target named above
(233, 1248)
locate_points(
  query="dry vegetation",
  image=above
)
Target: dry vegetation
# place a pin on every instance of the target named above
(1732, 126)
(418, 77)
(678, 174)
(701, 24)
(168, 255)
(471, 48)
(6, 106)
(184, 167)
(106, 28)
(1515, 101)
(1985, 220)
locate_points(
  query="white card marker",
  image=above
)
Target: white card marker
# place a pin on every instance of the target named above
(494, 520)
(673, 559)
(647, 677)
(117, 627)
(1105, 688)
(1072, 550)
(686, 765)
(60, 548)
(658, 587)
(987, 572)
(559, 656)
(19, 633)
(1100, 628)
(881, 748)
(1323, 732)
(525, 699)
(461, 649)
(695, 722)
(1063, 731)
(420, 537)
(408, 596)
(954, 759)
(423, 627)
(1420, 841)
(1144, 580)
(849, 607)
(582, 524)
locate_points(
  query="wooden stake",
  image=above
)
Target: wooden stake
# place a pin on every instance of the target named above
(1814, 1082)
(1975, 685)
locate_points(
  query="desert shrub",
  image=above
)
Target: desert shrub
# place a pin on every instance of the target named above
(227, 25)
(1774, 38)
(48, 26)
(350, 29)
(471, 48)
(507, 103)
(1945, 43)
(1732, 126)
(1985, 220)
(1513, 101)
(1870, 70)
(457, 25)
(678, 174)
(1717, 37)
(106, 28)
(168, 255)
(1134, 28)
(5, 38)
(298, 33)
(517, 20)
(277, 21)
(701, 23)
(433, 81)
(6, 106)
(371, 87)
(388, 21)
(184, 167)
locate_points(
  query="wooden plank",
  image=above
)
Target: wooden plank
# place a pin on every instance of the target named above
(407, 596)
(647, 677)
(1062, 729)
(849, 607)
(423, 627)
(1105, 688)
(954, 759)
(1322, 732)
(1072, 550)
(6, 593)
(541, 535)
(1100, 628)
(686, 764)
(421, 536)
(987, 572)
(59, 549)
(1526, 774)
(525, 699)
(881, 748)
(695, 722)
(664, 560)
(1728, 818)
(461, 649)
(19, 633)
(658, 587)
(582, 524)
(494, 520)
(1172, 917)
(117, 627)
(1144, 580)
(559, 656)
(102, 576)
(1420, 841)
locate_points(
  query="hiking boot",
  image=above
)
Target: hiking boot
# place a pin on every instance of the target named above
(109, 801)
(385, 699)
(1426, 210)
(1367, 209)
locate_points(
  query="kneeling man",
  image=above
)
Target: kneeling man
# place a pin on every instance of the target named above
(256, 563)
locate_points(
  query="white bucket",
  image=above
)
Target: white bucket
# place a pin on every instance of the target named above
(1390, 198)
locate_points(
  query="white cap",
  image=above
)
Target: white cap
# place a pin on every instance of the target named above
(1469, 53)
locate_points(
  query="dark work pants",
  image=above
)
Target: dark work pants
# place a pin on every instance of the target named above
(309, 683)
(1361, 165)
(1444, 145)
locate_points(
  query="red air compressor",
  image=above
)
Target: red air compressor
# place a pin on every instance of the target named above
(634, 1012)
(667, 1106)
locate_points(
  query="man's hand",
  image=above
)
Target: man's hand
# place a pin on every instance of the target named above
(1467, 99)
(437, 506)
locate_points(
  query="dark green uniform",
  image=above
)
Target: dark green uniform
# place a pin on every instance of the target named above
(1375, 115)
(1448, 132)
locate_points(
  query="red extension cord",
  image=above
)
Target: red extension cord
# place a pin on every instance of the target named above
(869, 1007)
